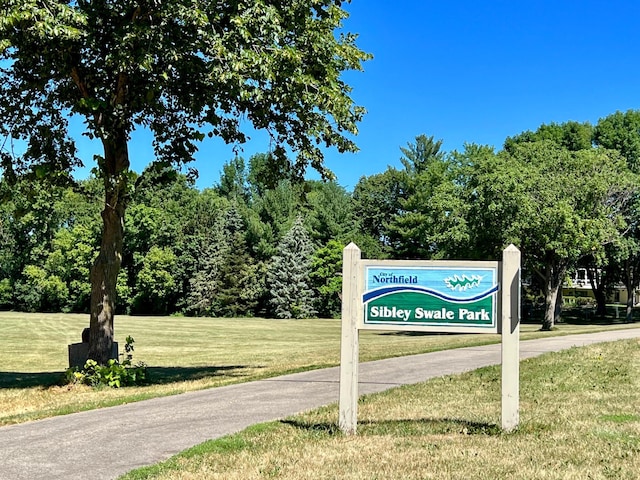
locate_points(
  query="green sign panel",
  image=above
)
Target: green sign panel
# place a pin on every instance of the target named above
(431, 296)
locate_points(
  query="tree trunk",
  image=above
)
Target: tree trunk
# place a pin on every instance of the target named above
(601, 302)
(630, 282)
(557, 311)
(630, 301)
(104, 273)
(554, 276)
(550, 308)
(598, 287)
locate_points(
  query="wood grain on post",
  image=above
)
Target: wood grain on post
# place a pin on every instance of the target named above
(349, 348)
(510, 338)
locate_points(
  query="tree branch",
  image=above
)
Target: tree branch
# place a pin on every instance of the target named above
(80, 83)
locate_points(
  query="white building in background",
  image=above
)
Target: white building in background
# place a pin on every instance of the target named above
(578, 286)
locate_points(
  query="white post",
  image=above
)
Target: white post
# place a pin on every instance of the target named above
(349, 352)
(510, 338)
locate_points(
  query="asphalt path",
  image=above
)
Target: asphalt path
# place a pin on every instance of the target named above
(105, 443)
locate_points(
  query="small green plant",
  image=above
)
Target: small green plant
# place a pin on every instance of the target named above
(114, 374)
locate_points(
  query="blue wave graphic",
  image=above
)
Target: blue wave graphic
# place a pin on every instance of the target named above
(380, 292)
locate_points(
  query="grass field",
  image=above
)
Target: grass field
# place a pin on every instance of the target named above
(190, 353)
(580, 419)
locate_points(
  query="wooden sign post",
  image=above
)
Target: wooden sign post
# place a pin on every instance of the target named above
(437, 296)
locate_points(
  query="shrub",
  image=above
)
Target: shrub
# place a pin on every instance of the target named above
(114, 374)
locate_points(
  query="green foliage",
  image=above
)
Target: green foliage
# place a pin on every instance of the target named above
(621, 131)
(182, 71)
(239, 285)
(572, 136)
(550, 192)
(430, 222)
(233, 180)
(123, 291)
(172, 215)
(578, 301)
(38, 291)
(570, 213)
(266, 171)
(6, 293)
(326, 278)
(227, 281)
(114, 374)
(72, 253)
(288, 277)
(377, 200)
(30, 215)
(420, 156)
(276, 65)
(278, 207)
(329, 212)
(203, 286)
(47, 242)
(155, 283)
(555, 219)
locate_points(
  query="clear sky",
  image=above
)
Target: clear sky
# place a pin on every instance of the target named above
(469, 71)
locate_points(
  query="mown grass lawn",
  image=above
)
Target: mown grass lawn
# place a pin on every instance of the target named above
(190, 353)
(580, 419)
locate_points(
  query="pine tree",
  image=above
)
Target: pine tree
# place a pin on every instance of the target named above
(238, 283)
(288, 276)
(205, 283)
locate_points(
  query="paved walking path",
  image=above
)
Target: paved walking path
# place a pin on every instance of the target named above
(105, 443)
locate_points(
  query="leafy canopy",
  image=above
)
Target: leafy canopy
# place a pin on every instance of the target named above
(175, 68)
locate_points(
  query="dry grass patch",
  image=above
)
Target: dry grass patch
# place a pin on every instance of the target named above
(186, 354)
(579, 420)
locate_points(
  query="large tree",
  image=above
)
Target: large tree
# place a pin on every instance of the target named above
(557, 205)
(621, 131)
(431, 222)
(624, 255)
(377, 200)
(289, 275)
(182, 69)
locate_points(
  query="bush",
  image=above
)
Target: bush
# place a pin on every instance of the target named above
(114, 374)
(585, 302)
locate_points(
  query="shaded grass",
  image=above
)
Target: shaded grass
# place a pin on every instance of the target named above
(187, 354)
(583, 315)
(28, 379)
(579, 420)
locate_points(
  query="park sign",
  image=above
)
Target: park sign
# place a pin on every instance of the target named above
(439, 296)
(430, 296)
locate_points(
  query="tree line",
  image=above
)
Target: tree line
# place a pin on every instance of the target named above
(565, 194)
(249, 245)
(259, 244)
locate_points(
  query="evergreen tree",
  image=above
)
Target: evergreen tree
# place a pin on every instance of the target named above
(288, 276)
(238, 285)
(202, 296)
(196, 246)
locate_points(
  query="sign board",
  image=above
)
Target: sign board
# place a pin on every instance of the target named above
(431, 295)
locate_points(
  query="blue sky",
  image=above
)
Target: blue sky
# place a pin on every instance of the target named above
(468, 71)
